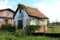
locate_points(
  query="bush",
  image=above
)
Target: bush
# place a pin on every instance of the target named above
(7, 27)
(19, 33)
(31, 28)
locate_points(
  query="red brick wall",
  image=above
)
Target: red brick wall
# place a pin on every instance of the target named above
(7, 12)
(1, 13)
(10, 21)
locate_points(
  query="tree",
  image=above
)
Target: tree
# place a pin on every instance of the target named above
(21, 6)
(48, 22)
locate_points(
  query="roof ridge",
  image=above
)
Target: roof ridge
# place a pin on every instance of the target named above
(7, 9)
(33, 12)
(31, 7)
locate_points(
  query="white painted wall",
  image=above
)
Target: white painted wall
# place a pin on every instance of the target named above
(34, 21)
(43, 22)
(25, 17)
(18, 17)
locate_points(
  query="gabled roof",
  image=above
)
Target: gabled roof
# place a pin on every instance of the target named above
(33, 12)
(7, 9)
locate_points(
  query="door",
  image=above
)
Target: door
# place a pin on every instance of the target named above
(6, 21)
(20, 24)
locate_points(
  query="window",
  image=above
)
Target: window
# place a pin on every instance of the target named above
(33, 22)
(1, 19)
(10, 21)
(10, 14)
(4, 13)
(20, 10)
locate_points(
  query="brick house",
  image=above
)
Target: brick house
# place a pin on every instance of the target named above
(6, 16)
(29, 16)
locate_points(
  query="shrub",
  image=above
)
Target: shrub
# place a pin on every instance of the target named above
(7, 27)
(19, 33)
(31, 28)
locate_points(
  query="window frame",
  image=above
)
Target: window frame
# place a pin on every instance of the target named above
(10, 14)
(1, 19)
(4, 13)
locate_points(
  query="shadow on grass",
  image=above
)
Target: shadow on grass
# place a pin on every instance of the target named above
(55, 35)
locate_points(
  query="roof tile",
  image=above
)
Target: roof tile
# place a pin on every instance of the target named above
(35, 12)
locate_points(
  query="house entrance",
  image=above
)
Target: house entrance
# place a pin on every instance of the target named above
(6, 21)
(20, 24)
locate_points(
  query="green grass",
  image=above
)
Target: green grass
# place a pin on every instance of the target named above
(9, 36)
(53, 30)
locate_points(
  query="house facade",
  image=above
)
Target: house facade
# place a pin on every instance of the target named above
(29, 16)
(6, 16)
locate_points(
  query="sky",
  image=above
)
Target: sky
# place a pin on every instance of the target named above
(50, 8)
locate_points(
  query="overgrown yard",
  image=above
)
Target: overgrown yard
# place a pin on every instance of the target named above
(7, 32)
(10, 36)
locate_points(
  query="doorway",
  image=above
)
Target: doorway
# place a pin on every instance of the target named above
(6, 21)
(20, 24)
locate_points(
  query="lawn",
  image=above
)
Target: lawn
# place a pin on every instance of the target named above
(53, 30)
(10, 36)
